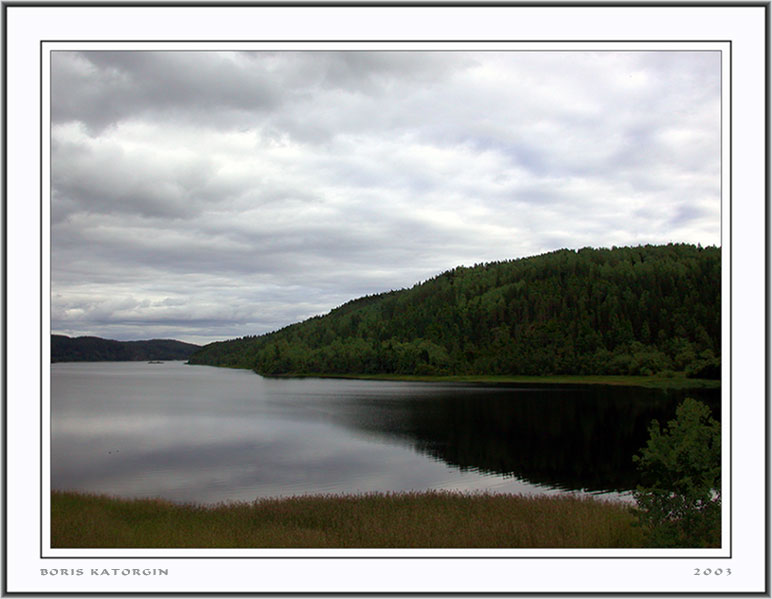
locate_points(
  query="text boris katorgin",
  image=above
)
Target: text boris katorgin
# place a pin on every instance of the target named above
(104, 572)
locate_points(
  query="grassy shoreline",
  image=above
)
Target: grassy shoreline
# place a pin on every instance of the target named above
(654, 381)
(393, 520)
(676, 381)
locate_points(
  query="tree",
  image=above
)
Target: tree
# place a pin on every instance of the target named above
(563, 312)
(679, 501)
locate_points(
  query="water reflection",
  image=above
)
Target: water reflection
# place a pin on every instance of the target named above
(581, 438)
(192, 433)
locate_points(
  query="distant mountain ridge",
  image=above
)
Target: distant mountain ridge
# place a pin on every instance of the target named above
(96, 349)
(625, 310)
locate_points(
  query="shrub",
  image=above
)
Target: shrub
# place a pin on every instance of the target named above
(679, 500)
(704, 369)
(706, 366)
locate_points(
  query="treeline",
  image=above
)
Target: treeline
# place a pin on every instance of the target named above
(629, 310)
(96, 349)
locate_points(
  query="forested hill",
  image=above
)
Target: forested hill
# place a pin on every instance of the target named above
(96, 349)
(629, 310)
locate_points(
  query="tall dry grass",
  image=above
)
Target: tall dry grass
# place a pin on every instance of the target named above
(403, 520)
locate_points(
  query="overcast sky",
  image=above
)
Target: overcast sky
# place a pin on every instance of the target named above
(204, 196)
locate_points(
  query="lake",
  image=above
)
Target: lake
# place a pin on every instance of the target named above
(204, 434)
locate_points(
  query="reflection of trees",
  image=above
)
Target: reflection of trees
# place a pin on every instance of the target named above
(579, 439)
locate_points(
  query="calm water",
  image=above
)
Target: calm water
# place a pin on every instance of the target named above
(203, 434)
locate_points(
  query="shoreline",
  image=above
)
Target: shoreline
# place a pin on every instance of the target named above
(650, 382)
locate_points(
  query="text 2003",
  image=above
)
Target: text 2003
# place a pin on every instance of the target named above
(716, 572)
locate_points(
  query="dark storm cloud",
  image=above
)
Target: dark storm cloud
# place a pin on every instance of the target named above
(210, 195)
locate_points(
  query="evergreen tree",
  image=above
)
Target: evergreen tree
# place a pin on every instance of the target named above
(624, 311)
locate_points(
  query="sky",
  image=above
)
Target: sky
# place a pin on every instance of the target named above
(204, 196)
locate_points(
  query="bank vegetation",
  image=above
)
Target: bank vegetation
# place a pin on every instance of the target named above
(377, 520)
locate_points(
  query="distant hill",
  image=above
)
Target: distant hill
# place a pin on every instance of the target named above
(626, 310)
(95, 349)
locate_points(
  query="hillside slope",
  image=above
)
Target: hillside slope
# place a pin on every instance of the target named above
(96, 349)
(629, 310)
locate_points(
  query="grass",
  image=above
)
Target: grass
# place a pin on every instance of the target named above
(678, 381)
(403, 520)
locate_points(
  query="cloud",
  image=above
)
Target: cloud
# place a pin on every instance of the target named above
(102, 89)
(211, 195)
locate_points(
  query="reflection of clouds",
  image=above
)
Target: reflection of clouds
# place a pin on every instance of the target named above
(292, 458)
(230, 435)
(196, 433)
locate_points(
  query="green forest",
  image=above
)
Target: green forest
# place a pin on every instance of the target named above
(621, 311)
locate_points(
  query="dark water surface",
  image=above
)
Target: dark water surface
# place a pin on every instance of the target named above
(203, 434)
